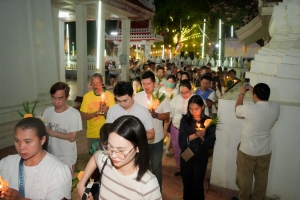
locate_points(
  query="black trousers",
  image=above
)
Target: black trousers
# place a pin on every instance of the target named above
(193, 174)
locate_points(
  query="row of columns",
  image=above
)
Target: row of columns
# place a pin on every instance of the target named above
(81, 50)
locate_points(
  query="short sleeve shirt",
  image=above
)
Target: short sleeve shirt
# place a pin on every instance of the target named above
(137, 110)
(258, 120)
(90, 104)
(164, 107)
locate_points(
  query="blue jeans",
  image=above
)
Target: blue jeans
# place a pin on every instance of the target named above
(156, 151)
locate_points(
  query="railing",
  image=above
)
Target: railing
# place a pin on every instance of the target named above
(72, 65)
(136, 36)
(137, 30)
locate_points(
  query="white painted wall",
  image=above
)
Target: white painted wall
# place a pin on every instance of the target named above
(28, 61)
(284, 174)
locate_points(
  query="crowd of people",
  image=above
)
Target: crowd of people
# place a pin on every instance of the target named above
(161, 105)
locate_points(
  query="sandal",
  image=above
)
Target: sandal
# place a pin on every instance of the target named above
(168, 153)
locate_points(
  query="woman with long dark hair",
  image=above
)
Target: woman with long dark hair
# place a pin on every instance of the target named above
(194, 135)
(126, 173)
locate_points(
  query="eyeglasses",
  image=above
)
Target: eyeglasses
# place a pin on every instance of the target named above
(95, 84)
(119, 154)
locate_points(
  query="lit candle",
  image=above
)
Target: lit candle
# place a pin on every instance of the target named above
(149, 107)
(234, 81)
(3, 183)
(198, 126)
(102, 97)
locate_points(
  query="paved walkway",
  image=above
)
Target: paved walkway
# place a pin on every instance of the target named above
(172, 186)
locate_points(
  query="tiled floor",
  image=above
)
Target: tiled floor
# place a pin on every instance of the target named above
(172, 186)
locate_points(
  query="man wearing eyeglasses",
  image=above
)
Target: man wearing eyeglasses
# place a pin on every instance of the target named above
(94, 107)
(126, 105)
(62, 124)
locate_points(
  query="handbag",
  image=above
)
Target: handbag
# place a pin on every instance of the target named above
(187, 154)
(94, 187)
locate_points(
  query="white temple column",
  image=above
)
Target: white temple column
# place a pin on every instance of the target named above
(58, 29)
(81, 49)
(100, 41)
(101, 48)
(125, 47)
(147, 51)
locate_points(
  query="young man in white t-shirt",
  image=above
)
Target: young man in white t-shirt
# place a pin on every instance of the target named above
(161, 113)
(126, 105)
(62, 124)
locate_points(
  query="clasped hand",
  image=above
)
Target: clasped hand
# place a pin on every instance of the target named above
(103, 109)
(201, 134)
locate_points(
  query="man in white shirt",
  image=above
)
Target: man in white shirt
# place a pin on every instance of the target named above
(254, 150)
(62, 124)
(161, 113)
(126, 105)
(160, 77)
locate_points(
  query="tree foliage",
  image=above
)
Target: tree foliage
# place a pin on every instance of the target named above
(169, 15)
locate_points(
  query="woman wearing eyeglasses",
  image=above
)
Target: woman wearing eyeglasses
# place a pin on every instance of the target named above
(126, 174)
(178, 108)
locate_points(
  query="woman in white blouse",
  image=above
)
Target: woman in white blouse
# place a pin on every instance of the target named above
(170, 88)
(179, 106)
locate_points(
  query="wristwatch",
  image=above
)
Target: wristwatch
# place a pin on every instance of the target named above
(155, 115)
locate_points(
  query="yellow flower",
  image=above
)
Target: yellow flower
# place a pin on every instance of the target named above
(80, 174)
(207, 122)
(27, 115)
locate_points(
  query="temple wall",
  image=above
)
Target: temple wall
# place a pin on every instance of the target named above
(28, 59)
(284, 167)
(278, 65)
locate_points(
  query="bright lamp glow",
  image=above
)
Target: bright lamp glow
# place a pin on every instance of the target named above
(114, 33)
(203, 39)
(220, 35)
(62, 14)
(98, 34)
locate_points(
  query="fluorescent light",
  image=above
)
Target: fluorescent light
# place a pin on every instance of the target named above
(203, 39)
(114, 33)
(99, 36)
(62, 14)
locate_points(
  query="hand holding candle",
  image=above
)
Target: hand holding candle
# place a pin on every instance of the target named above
(103, 105)
(200, 132)
(3, 183)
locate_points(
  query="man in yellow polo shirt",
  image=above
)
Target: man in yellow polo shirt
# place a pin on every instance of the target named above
(94, 107)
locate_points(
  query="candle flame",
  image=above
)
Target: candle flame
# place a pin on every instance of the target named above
(3, 183)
